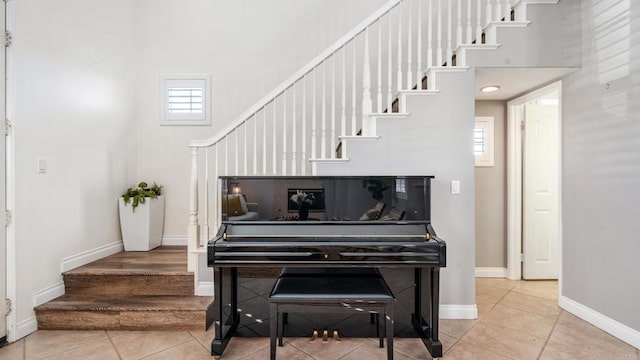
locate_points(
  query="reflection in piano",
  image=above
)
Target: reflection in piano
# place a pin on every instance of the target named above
(365, 221)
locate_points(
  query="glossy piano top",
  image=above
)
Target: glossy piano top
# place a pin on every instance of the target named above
(325, 200)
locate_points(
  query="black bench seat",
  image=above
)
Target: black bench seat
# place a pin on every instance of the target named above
(330, 292)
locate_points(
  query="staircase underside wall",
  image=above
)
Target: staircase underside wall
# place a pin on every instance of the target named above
(552, 39)
(435, 139)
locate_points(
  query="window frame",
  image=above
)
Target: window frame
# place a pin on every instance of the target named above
(185, 119)
(487, 158)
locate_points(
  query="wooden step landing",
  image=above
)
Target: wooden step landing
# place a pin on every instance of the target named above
(74, 312)
(149, 290)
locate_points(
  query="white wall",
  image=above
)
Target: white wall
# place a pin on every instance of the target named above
(491, 193)
(601, 165)
(249, 47)
(74, 106)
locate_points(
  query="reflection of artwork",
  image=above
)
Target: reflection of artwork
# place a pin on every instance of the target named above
(313, 200)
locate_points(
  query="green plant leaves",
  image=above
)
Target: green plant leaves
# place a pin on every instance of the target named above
(138, 195)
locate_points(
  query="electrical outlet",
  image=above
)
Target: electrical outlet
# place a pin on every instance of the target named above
(455, 186)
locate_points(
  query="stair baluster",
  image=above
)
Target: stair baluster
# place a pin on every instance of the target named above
(400, 46)
(367, 104)
(284, 132)
(343, 112)
(478, 22)
(419, 50)
(449, 37)
(303, 135)
(389, 70)
(332, 147)
(293, 131)
(430, 36)
(439, 35)
(469, 37)
(409, 44)
(379, 98)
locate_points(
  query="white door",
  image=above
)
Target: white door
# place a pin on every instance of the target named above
(3, 172)
(540, 192)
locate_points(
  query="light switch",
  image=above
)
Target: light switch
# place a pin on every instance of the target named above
(42, 166)
(455, 186)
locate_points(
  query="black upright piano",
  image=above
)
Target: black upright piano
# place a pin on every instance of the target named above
(327, 221)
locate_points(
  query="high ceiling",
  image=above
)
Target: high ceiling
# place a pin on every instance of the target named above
(515, 81)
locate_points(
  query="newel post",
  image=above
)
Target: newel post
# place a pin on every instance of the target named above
(193, 232)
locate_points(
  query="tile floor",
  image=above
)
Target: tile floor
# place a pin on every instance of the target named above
(517, 320)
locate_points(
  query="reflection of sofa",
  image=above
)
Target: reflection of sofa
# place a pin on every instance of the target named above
(250, 214)
(238, 209)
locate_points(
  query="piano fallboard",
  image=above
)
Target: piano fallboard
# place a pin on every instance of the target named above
(377, 246)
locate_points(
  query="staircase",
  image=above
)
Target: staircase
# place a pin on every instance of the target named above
(129, 291)
(393, 96)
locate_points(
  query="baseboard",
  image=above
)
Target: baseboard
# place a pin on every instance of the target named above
(49, 293)
(26, 327)
(613, 327)
(88, 256)
(491, 272)
(174, 240)
(205, 288)
(458, 311)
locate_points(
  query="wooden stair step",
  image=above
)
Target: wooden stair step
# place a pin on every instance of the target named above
(75, 312)
(144, 283)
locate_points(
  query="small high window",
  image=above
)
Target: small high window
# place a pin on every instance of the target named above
(185, 100)
(483, 140)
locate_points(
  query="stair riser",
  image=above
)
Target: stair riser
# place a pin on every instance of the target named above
(181, 285)
(123, 320)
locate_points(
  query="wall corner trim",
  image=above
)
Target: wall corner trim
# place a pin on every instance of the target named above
(613, 327)
(491, 272)
(49, 293)
(174, 240)
(88, 256)
(205, 288)
(26, 327)
(458, 311)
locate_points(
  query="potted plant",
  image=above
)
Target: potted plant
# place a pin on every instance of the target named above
(142, 217)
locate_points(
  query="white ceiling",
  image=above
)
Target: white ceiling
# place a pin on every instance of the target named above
(515, 81)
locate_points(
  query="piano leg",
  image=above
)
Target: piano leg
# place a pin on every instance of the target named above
(428, 331)
(226, 292)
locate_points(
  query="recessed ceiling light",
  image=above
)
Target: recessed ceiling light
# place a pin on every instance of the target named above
(490, 88)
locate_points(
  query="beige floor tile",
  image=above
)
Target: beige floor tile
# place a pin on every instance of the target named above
(245, 347)
(507, 342)
(327, 351)
(555, 351)
(542, 289)
(191, 350)
(370, 351)
(138, 344)
(483, 308)
(490, 294)
(44, 343)
(13, 351)
(577, 334)
(102, 350)
(412, 347)
(456, 327)
(529, 323)
(532, 304)
(447, 342)
(288, 352)
(465, 351)
(204, 337)
(497, 282)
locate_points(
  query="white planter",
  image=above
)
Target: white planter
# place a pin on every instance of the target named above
(142, 229)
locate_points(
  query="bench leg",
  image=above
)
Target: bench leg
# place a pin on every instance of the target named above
(388, 317)
(380, 330)
(273, 329)
(281, 318)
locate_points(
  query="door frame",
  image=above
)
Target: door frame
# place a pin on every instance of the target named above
(10, 199)
(515, 115)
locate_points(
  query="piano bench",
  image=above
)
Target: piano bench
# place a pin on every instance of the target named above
(330, 293)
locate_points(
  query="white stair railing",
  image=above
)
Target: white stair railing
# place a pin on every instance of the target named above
(272, 137)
